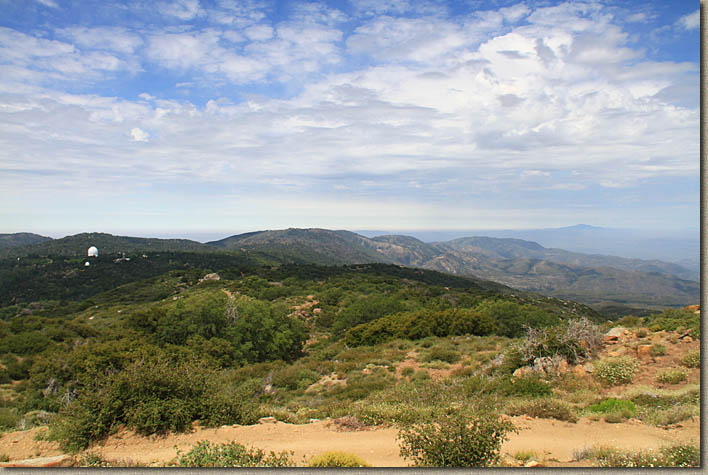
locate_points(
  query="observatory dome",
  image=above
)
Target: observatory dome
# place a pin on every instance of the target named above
(92, 251)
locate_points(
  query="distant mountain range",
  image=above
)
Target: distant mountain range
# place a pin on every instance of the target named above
(525, 265)
(641, 244)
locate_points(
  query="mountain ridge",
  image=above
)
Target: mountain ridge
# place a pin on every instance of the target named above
(517, 263)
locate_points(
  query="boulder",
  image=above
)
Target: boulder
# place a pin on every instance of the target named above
(589, 367)
(644, 352)
(579, 370)
(614, 334)
(523, 372)
(212, 276)
(267, 420)
(533, 463)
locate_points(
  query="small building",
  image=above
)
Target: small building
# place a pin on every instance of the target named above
(87, 263)
(92, 251)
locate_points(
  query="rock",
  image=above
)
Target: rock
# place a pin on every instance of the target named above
(616, 332)
(523, 372)
(267, 420)
(563, 367)
(644, 352)
(611, 339)
(687, 339)
(579, 370)
(589, 367)
(533, 463)
(313, 420)
(212, 276)
(42, 462)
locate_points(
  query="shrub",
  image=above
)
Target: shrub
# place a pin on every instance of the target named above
(615, 410)
(232, 454)
(680, 455)
(657, 350)
(8, 418)
(407, 371)
(154, 396)
(642, 333)
(672, 376)
(294, 377)
(337, 459)
(615, 371)
(692, 359)
(530, 386)
(455, 441)
(574, 340)
(438, 353)
(525, 455)
(4, 458)
(546, 408)
(670, 415)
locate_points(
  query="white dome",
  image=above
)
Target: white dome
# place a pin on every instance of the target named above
(92, 251)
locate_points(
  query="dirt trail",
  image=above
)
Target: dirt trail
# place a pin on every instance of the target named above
(548, 438)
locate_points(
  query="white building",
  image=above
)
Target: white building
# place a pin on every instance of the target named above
(92, 251)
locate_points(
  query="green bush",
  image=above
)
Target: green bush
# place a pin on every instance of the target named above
(680, 455)
(294, 377)
(574, 340)
(153, 396)
(8, 418)
(438, 353)
(691, 359)
(676, 320)
(232, 454)
(672, 376)
(657, 350)
(455, 441)
(407, 371)
(546, 408)
(615, 410)
(615, 371)
(669, 416)
(530, 386)
(337, 459)
(4, 376)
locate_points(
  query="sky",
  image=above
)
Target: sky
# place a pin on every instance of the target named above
(193, 116)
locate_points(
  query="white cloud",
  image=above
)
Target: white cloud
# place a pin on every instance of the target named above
(259, 32)
(115, 39)
(636, 17)
(182, 9)
(690, 21)
(558, 98)
(139, 135)
(48, 3)
(41, 61)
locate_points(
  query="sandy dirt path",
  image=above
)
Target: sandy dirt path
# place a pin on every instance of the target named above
(548, 438)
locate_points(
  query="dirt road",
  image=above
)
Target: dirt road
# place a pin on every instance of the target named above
(550, 439)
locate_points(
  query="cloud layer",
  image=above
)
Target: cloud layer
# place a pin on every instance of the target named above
(530, 110)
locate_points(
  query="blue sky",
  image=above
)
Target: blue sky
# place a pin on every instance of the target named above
(194, 116)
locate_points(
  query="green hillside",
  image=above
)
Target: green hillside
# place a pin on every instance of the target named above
(153, 345)
(77, 245)
(21, 239)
